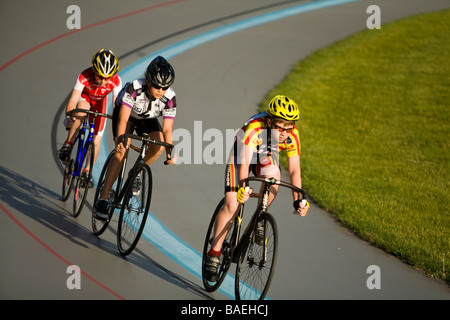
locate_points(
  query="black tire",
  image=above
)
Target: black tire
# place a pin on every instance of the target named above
(134, 211)
(82, 183)
(100, 225)
(253, 277)
(225, 258)
(68, 180)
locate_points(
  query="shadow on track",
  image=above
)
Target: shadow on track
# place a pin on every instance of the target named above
(38, 203)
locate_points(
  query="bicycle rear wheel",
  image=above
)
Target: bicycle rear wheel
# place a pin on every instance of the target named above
(225, 257)
(134, 212)
(82, 182)
(68, 180)
(100, 225)
(256, 264)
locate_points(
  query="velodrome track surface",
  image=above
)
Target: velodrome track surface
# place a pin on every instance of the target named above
(219, 84)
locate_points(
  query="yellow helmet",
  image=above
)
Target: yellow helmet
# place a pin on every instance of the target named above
(283, 107)
(105, 63)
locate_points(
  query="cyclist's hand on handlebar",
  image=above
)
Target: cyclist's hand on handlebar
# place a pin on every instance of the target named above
(301, 207)
(170, 161)
(243, 194)
(120, 147)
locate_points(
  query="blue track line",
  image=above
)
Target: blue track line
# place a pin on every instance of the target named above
(155, 232)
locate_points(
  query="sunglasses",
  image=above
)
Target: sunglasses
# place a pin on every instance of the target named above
(288, 130)
(158, 87)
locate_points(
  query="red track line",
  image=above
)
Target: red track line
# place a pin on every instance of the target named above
(87, 27)
(10, 215)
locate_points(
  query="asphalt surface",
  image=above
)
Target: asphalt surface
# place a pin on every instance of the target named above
(219, 84)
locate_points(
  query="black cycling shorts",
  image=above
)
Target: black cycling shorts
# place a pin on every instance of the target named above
(140, 125)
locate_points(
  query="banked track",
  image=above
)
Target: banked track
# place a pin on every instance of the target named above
(40, 239)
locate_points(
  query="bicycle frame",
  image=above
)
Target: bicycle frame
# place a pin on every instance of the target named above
(245, 238)
(120, 192)
(86, 125)
(248, 249)
(139, 160)
(81, 151)
(260, 210)
(133, 210)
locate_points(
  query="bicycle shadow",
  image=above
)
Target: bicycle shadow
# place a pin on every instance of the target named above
(139, 258)
(38, 203)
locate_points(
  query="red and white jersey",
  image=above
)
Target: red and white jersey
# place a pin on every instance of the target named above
(86, 84)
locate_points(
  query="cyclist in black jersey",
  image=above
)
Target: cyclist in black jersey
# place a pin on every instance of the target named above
(138, 106)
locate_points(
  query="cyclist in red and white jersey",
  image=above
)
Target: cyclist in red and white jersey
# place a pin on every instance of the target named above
(90, 92)
(256, 150)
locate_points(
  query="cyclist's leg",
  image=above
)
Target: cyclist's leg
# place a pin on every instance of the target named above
(223, 223)
(224, 220)
(116, 163)
(83, 103)
(66, 149)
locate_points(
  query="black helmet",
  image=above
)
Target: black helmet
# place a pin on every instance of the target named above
(160, 73)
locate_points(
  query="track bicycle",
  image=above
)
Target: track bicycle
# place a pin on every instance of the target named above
(255, 252)
(131, 196)
(75, 177)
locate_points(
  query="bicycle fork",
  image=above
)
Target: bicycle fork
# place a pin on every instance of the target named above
(131, 174)
(249, 235)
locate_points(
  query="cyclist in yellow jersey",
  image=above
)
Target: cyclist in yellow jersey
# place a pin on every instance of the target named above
(256, 149)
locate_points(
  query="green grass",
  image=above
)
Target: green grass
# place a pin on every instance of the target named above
(375, 129)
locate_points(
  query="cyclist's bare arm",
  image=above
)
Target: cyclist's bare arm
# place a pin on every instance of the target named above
(167, 133)
(296, 180)
(244, 163)
(124, 115)
(295, 174)
(72, 104)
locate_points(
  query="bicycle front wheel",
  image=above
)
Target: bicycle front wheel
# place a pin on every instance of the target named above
(83, 182)
(256, 264)
(134, 211)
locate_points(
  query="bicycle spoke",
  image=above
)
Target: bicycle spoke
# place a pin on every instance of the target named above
(134, 211)
(256, 266)
(133, 219)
